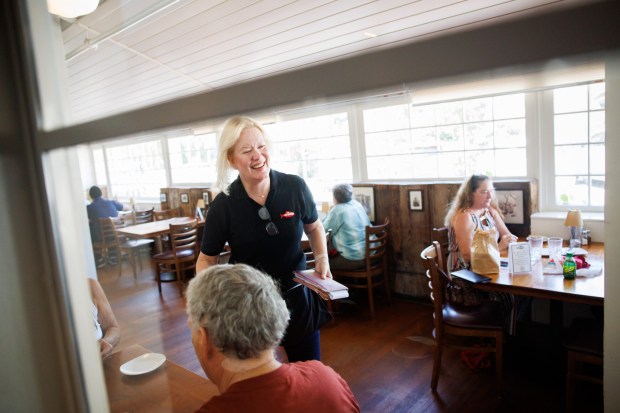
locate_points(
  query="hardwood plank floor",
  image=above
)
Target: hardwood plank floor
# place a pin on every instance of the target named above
(386, 361)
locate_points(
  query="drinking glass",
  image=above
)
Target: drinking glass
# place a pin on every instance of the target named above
(536, 242)
(555, 246)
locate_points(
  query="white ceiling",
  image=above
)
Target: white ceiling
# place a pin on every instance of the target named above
(133, 53)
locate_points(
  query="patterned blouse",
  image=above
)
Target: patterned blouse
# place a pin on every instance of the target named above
(455, 259)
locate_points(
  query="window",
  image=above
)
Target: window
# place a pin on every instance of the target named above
(136, 170)
(447, 140)
(579, 145)
(193, 159)
(100, 169)
(316, 148)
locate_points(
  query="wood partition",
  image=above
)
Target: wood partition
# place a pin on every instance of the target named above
(412, 223)
(186, 198)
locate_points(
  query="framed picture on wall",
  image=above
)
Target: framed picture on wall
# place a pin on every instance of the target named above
(205, 197)
(184, 198)
(511, 204)
(365, 195)
(163, 197)
(416, 201)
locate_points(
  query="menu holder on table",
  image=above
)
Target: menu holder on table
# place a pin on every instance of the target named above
(471, 276)
(519, 258)
(327, 289)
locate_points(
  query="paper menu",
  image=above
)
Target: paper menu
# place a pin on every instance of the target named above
(326, 288)
(519, 258)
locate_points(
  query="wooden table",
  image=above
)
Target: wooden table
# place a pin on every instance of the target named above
(169, 388)
(155, 229)
(554, 287)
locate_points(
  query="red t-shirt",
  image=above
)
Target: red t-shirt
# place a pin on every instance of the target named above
(308, 386)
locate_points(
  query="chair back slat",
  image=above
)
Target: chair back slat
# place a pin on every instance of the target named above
(167, 214)
(183, 236)
(441, 236)
(142, 217)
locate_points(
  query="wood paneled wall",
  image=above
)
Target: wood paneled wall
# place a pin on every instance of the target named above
(411, 230)
(175, 195)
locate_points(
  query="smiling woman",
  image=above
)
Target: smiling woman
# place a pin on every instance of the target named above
(261, 215)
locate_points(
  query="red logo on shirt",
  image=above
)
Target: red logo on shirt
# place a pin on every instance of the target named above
(287, 215)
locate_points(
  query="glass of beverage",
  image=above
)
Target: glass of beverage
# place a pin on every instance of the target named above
(555, 246)
(536, 242)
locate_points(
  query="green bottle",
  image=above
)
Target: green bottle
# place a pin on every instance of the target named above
(570, 267)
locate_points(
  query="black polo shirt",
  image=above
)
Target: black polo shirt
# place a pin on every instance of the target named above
(234, 219)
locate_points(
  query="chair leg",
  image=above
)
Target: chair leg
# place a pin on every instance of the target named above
(436, 364)
(158, 276)
(132, 259)
(370, 297)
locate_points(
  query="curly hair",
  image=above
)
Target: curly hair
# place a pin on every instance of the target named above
(465, 196)
(240, 307)
(343, 193)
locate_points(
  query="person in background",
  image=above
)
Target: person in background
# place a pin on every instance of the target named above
(261, 215)
(100, 208)
(347, 221)
(237, 317)
(475, 207)
(107, 330)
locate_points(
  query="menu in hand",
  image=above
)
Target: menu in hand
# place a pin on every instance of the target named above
(327, 288)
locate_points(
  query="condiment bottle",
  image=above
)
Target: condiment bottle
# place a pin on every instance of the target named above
(570, 267)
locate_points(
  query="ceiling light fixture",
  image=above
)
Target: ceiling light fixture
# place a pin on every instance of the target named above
(370, 34)
(71, 8)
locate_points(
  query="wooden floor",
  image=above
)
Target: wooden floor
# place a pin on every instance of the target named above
(386, 361)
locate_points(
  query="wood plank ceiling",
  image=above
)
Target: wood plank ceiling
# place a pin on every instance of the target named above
(134, 53)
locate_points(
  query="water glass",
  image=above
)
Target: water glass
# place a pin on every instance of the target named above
(575, 236)
(555, 246)
(536, 242)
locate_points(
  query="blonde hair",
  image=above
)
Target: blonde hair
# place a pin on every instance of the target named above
(231, 132)
(465, 196)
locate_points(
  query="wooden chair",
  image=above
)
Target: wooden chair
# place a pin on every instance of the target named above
(584, 345)
(167, 214)
(145, 216)
(454, 321)
(375, 272)
(181, 257)
(122, 247)
(441, 236)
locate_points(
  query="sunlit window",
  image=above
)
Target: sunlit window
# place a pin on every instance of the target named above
(579, 138)
(193, 159)
(316, 148)
(447, 140)
(100, 169)
(136, 171)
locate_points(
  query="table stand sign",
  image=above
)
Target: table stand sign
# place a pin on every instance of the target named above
(519, 258)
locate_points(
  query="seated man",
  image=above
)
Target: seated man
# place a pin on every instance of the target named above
(347, 220)
(100, 208)
(107, 330)
(237, 318)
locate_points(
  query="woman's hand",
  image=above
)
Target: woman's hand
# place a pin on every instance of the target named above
(505, 240)
(321, 266)
(105, 348)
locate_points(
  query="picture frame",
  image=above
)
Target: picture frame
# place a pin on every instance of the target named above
(365, 195)
(511, 204)
(416, 200)
(205, 198)
(184, 198)
(163, 197)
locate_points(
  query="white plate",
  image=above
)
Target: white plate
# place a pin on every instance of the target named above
(576, 251)
(143, 364)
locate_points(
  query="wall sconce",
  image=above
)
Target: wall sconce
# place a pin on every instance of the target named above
(71, 8)
(575, 223)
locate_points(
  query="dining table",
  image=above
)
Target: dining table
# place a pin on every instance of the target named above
(538, 284)
(155, 229)
(167, 388)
